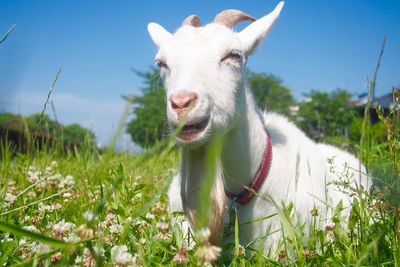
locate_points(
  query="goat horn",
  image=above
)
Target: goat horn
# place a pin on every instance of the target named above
(230, 17)
(192, 20)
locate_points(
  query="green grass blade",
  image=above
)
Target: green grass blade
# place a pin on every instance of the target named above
(7, 33)
(6, 227)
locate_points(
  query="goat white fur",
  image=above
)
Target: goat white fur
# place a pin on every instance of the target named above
(206, 65)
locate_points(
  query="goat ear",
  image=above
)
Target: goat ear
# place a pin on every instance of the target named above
(158, 34)
(253, 34)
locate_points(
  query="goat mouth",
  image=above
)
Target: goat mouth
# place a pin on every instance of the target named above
(191, 130)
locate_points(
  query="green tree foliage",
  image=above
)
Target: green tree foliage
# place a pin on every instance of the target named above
(325, 114)
(74, 133)
(270, 94)
(44, 126)
(149, 123)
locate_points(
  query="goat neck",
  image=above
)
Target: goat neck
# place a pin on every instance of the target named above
(244, 148)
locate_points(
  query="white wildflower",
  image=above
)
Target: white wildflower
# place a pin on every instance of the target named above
(89, 216)
(31, 194)
(116, 229)
(162, 226)
(181, 256)
(6, 238)
(68, 181)
(111, 218)
(84, 232)
(33, 176)
(10, 199)
(78, 260)
(121, 257)
(150, 216)
(61, 228)
(31, 228)
(39, 248)
(49, 170)
(54, 164)
(208, 252)
(72, 237)
(23, 242)
(203, 235)
(67, 195)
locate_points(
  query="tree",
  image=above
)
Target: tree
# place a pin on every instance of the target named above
(149, 123)
(49, 129)
(75, 134)
(270, 94)
(324, 114)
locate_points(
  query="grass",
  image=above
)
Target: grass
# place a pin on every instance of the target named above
(90, 208)
(82, 208)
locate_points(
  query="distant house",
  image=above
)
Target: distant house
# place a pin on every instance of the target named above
(385, 101)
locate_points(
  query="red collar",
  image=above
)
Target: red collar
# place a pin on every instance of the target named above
(247, 194)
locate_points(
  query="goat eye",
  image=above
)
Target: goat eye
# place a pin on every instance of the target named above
(161, 64)
(233, 55)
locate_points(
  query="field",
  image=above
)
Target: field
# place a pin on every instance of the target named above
(86, 207)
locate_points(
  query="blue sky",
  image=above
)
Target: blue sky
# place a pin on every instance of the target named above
(315, 45)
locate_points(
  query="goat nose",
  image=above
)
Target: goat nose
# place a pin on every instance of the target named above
(183, 100)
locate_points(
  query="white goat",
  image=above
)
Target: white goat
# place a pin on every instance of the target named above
(203, 72)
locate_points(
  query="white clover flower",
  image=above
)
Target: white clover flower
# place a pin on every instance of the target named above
(78, 260)
(121, 257)
(162, 226)
(89, 216)
(33, 176)
(150, 216)
(67, 195)
(31, 228)
(68, 181)
(208, 252)
(61, 228)
(55, 206)
(72, 237)
(23, 242)
(39, 248)
(181, 256)
(56, 176)
(111, 218)
(10, 199)
(31, 194)
(42, 208)
(49, 170)
(203, 235)
(6, 238)
(54, 164)
(116, 229)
